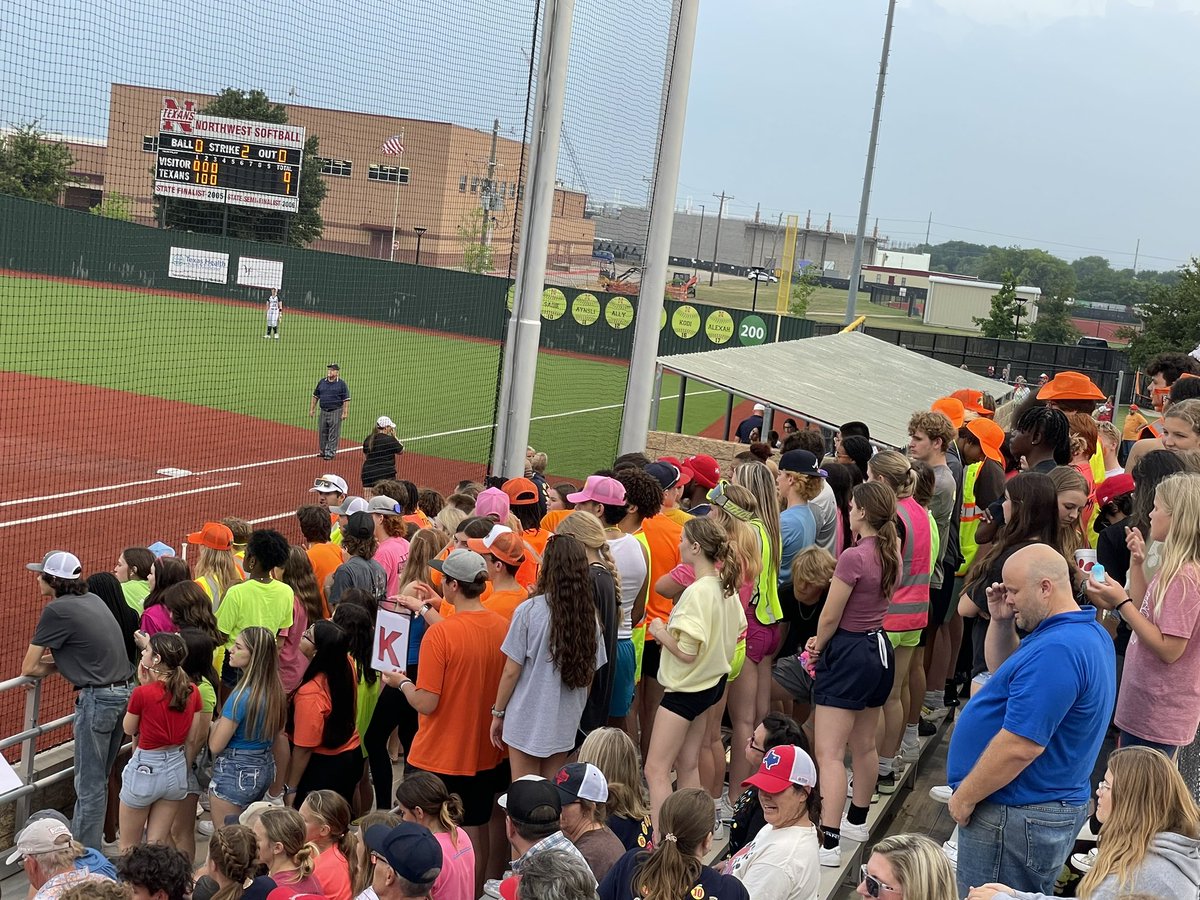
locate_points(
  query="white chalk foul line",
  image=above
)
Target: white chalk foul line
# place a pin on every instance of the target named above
(122, 503)
(287, 459)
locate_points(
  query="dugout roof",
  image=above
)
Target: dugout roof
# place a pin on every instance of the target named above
(833, 379)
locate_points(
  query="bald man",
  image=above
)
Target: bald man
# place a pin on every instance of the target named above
(1022, 751)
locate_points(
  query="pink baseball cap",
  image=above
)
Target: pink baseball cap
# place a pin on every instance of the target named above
(600, 489)
(492, 502)
(782, 767)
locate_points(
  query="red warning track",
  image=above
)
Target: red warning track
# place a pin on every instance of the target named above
(79, 471)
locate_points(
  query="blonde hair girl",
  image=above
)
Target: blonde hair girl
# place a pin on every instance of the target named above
(290, 858)
(613, 752)
(912, 865)
(1159, 706)
(326, 817)
(893, 469)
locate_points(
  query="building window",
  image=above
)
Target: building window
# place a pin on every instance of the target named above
(503, 188)
(512, 191)
(338, 167)
(393, 174)
(462, 185)
(149, 143)
(474, 185)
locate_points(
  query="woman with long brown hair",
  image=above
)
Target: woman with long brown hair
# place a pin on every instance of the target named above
(553, 650)
(674, 869)
(232, 861)
(1149, 841)
(854, 665)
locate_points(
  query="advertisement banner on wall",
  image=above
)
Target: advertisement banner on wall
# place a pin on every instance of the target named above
(262, 273)
(199, 265)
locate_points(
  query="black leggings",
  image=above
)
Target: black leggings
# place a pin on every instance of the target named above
(339, 772)
(392, 711)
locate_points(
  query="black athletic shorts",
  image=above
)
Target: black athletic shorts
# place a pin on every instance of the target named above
(690, 704)
(479, 792)
(651, 656)
(855, 670)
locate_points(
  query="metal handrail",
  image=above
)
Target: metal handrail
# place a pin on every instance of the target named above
(27, 740)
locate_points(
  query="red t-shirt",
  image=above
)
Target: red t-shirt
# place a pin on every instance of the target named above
(161, 726)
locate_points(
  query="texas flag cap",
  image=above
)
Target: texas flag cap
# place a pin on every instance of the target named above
(783, 767)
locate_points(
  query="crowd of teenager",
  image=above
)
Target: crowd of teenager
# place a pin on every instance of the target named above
(577, 655)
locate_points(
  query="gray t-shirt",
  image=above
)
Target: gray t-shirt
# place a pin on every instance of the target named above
(824, 510)
(942, 508)
(542, 717)
(85, 639)
(356, 572)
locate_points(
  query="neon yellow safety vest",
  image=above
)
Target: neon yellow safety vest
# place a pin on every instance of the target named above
(765, 598)
(971, 516)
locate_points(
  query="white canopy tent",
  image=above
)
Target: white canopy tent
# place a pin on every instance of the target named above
(849, 376)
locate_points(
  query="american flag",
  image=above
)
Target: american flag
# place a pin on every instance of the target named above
(393, 146)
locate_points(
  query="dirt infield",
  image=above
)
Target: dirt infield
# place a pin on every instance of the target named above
(80, 470)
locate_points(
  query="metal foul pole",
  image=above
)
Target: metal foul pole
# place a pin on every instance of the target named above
(525, 325)
(635, 417)
(860, 237)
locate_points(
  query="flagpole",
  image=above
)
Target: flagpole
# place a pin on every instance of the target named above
(396, 203)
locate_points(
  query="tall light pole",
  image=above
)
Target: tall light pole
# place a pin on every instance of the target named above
(420, 231)
(699, 235)
(856, 263)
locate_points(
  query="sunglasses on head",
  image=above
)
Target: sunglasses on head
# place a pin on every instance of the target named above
(322, 483)
(875, 887)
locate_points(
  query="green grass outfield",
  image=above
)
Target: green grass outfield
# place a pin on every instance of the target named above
(439, 389)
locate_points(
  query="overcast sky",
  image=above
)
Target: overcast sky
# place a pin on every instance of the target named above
(1066, 124)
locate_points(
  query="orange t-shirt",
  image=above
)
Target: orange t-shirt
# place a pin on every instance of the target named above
(662, 538)
(551, 520)
(461, 662)
(535, 540)
(325, 559)
(436, 578)
(506, 602)
(313, 706)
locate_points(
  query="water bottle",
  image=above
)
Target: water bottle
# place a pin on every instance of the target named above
(1098, 573)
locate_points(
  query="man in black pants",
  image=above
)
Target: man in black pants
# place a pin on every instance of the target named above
(334, 397)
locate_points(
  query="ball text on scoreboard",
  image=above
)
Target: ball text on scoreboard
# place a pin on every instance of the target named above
(232, 161)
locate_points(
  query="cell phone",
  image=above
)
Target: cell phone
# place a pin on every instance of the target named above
(144, 769)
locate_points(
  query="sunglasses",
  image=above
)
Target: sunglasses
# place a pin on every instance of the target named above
(874, 885)
(322, 484)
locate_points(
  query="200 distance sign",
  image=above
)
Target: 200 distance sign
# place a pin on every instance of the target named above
(232, 161)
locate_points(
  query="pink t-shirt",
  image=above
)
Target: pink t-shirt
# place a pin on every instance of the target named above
(292, 662)
(684, 574)
(157, 619)
(858, 566)
(392, 554)
(1160, 701)
(457, 879)
(333, 873)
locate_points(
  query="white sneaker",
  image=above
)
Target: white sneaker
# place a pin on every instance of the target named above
(1084, 861)
(941, 793)
(273, 799)
(204, 802)
(491, 887)
(111, 848)
(276, 337)
(266, 337)
(831, 857)
(859, 833)
(910, 752)
(205, 827)
(950, 848)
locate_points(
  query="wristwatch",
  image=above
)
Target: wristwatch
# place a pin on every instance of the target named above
(497, 713)
(424, 609)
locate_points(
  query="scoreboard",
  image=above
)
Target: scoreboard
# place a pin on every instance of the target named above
(233, 161)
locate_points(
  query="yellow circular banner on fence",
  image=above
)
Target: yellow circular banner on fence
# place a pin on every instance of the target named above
(512, 292)
(619, 313)
(585, 309)
(554, 304)
(719, 327)
(685, 322)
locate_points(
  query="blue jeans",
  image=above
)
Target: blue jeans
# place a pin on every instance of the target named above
(1125, 739)
(98, 735)
(1024, 847)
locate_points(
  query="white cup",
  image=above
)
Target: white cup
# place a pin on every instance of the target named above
(1085, 559)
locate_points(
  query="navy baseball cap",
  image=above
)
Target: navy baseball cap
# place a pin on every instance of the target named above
(410, 849)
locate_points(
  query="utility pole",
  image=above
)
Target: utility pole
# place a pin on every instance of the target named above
(928, 225)
(1136, 250)
(488, 194)
(712, 273)
(775, 241)
(856, 263)
(696, 267)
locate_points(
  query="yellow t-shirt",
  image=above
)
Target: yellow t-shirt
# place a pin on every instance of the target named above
(677, 515)
(254, 603)
(705, 623)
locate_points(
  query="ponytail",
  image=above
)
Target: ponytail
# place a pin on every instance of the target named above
(673, 869)
(333, 811)
(234, 852)
(878, 503)
(306, 859)
(714, 543)
(428, 793)
(171, 650)
(887, 543)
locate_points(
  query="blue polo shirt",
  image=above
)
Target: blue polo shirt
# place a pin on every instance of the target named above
(331, 394)
(1056, 690)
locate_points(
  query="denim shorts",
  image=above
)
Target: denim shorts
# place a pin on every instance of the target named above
(241, 777)
(153, 775)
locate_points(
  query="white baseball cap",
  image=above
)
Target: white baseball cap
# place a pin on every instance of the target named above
(758, 407)
(58, 563)
(329, 484)
(581, 781)
(42, 836)
(384, 422)
(350, 506)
